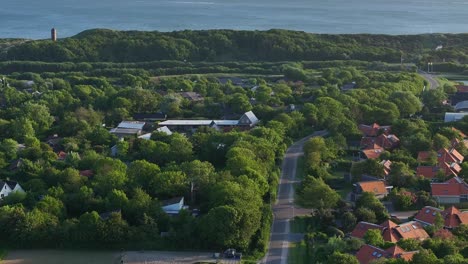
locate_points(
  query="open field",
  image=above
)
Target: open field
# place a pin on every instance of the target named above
(106, 257)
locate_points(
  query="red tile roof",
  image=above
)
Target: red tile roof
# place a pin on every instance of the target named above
(453, 187)
(376, 187)
(428, 172)
(452, 216)
(462, 88)
(449, 156)
(87, 173)
(373, 130)
(373, 153)
(413, 230)
(362, 227)
(388, 233)
(369, 253)
(62, 155)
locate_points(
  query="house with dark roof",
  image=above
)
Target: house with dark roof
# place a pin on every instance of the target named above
(452, 191)
(150, 117)
(452, 216)
(368, 253)
(192, 96)
(8, 187)
(378, 188)
(348, 86)
(460, 95)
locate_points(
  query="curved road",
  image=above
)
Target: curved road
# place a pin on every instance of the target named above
(284, 210)
(430, 78)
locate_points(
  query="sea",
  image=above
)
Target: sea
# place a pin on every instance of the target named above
(33, 19)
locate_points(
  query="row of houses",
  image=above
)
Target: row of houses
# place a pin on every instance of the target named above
(392, 232)
(376, 139)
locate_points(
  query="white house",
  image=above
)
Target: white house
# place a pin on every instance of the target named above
(9, 187)
(174, 205)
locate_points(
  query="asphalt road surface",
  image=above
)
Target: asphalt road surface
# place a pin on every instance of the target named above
(284, 210)
(430, 78)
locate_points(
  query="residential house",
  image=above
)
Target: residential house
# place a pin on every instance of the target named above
(454, 117)
(387, 164)
(376, 139)
(452, 216)
(7, 187)
(128, 128)
(461, 107)
(378, 188)
(107, 215)
(369, 253)
(15, 164)
(374, 130)
(62, 155)
(174, 205)
(452, 191)
(392, 232)
(152, 117)
(362, 227)
(348, 86)
(164, 130)
(460, 95)
(54, 142)
(448, 163)
(247, 120)
(87, 173)
(192, 96)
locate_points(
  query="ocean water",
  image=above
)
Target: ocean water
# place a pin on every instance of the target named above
(34, 18)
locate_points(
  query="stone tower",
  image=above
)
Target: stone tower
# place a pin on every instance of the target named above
(53, 34)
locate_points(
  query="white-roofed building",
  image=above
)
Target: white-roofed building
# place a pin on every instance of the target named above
(248, 119)
(454, 117)
(164, 130)
(132, 125)
(128, 128)
(461, 107)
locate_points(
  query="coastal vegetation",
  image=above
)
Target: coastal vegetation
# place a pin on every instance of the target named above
(59, 101)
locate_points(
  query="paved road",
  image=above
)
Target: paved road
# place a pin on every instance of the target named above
(430, 78)
(284, 210)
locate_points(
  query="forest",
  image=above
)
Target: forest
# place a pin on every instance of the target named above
(100, 45)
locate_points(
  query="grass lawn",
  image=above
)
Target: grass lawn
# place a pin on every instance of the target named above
(298, 254)
(299, 224)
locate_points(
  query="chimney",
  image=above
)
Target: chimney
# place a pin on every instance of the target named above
(53, 33)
